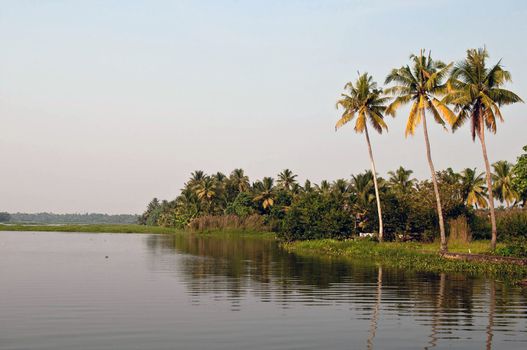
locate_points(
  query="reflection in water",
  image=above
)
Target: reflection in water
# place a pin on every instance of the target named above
(373, 327)
(492, 307)
(65, 291)
(449, 305)
(437, 312)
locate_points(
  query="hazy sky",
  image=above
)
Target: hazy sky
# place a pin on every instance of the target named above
(106, 104)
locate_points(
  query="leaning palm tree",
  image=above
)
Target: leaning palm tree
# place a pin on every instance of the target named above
(367, 103)
(475, 90)
(420, 84)
(286, 179)
(502, 182)
(474, 189)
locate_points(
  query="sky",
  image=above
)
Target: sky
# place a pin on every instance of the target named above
(107, 104)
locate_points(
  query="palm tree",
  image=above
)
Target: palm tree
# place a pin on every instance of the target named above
(420, 85)
(502, 182)
(324, 187)
(240, 180)
(401, 180)
(264, 192)
(474, 189)
(206, 190)
(366, 102)
(476, 92)
(286, 179)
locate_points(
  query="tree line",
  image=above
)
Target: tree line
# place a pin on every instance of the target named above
(452, 94)
(51, 218)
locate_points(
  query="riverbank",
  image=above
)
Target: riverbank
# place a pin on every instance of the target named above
(119, 228)
(408, 256)
(91, 228)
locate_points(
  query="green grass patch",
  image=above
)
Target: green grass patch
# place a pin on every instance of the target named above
(407, 256)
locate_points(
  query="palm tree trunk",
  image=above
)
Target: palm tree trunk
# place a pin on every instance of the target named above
(374, 173)
(444, 247)
(481, 135)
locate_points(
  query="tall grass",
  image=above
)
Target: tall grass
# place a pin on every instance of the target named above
(207, 223)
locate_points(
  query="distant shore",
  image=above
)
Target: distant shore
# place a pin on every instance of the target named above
(89, 228)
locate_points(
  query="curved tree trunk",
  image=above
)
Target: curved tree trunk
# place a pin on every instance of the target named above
(481, 134)
(374, 173)
(444, 247)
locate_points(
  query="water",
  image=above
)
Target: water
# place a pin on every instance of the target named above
(59, 291)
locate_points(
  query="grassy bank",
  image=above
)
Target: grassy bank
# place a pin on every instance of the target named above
(407, 256)
(104, 228)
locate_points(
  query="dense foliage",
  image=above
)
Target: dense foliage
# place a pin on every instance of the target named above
(338, 209)
(401, 207)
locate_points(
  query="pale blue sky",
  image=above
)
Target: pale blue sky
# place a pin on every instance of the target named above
(106, 104)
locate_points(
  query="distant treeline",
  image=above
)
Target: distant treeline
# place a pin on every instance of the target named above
(50, 218)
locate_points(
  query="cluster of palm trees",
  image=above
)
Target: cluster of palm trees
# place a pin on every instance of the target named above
(219, 194)
(452, 94)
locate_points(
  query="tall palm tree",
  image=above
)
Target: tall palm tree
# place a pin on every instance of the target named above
(367, 103)
(286, 179)
(420, 84)
(401, 179)
(502, 182)
(476, 92)
(474, 189)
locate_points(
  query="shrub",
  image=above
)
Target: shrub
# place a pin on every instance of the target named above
(512, 224)
(516, 247)
(315, 216)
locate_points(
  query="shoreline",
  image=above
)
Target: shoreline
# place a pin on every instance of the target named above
(410, 256)
(406, 256)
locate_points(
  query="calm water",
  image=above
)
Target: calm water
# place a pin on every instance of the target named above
(59, 291)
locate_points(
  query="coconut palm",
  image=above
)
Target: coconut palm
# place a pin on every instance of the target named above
(264, 192)
(206, 190)
(401, 179)
(475, 90)
(474, 189)
(502, 182)
(239, 180)
(324, 187)
(286, 179)
(367, 103)
(421, 84)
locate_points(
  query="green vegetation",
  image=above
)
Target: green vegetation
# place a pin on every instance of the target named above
(396, 209)
(407, 256)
